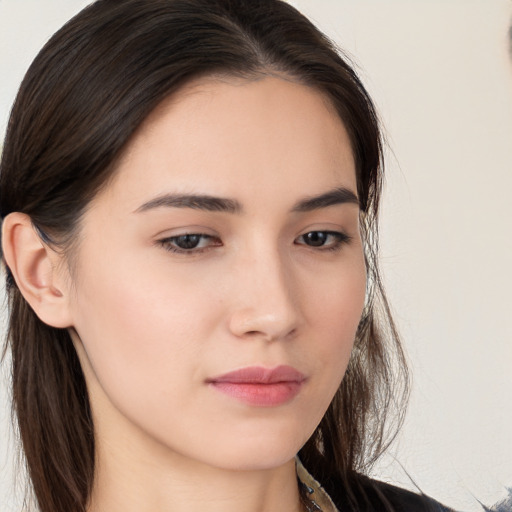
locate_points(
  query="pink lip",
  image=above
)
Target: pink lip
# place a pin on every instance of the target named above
(263, 387)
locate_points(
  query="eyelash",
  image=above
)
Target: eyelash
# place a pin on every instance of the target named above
(340, 239)
(170, 243)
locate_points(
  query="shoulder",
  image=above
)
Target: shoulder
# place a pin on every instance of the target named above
(403, 500)
(359, 493)
(369, 495)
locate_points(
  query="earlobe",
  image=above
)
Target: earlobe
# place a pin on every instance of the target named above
(37, 270)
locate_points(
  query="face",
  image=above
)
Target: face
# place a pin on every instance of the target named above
(220, 276)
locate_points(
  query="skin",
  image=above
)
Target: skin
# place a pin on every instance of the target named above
(151, 326)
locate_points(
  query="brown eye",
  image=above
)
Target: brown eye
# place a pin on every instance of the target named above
(189, 243)
(323, 239)
(316, 238)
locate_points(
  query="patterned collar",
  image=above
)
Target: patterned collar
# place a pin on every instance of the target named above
(318, 499)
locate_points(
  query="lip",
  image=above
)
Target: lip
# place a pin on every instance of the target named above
(259, 386)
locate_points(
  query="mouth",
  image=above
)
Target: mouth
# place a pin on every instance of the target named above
(259, 386)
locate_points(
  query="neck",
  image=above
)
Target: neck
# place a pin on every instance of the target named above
(128, 484)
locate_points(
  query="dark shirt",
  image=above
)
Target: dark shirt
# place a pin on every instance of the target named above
(376, 496)
(363, 494)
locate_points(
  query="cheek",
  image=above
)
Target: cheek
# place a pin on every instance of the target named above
(335, 305)
(141, 332)
(336, 302)
(333, 312)
(339, 310)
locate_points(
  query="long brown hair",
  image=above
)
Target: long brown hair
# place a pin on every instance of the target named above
(82, 99)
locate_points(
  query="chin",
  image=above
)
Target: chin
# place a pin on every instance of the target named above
(256, 461)
(253, 454)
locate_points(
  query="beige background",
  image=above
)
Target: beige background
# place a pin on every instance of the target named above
(442, 78)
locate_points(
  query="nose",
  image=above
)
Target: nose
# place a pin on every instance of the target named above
(265, 302)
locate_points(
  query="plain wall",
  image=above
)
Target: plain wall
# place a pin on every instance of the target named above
(441, 76)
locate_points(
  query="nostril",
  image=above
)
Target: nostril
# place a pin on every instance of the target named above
(270, 335)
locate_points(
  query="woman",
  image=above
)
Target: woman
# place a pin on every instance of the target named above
(189, 193)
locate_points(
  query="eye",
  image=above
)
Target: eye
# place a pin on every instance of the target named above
(189, 243)
(326, 240)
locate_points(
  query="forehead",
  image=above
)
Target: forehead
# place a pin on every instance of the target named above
(228, 135)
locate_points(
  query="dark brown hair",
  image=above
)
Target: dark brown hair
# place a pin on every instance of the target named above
(82, 99)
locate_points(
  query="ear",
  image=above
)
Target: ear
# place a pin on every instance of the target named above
(39, 271)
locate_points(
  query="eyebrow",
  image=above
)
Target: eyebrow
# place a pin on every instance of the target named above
(194, 201)
(336, 196)
(208, 203)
